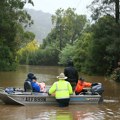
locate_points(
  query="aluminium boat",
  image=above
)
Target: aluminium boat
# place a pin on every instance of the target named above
(19, 97)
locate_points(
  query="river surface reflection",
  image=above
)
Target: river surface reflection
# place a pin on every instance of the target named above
(108, 110)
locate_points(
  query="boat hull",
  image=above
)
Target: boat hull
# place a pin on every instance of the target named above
(28, 98)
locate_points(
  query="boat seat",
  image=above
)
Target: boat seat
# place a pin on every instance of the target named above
(27, 86)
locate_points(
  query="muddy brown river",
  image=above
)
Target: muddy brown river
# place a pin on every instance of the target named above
(108, 110)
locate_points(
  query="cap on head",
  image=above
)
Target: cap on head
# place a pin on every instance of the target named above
(30, 75)
(61, 76)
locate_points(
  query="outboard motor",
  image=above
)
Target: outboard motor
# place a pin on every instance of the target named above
(97, 88)
(27, 86)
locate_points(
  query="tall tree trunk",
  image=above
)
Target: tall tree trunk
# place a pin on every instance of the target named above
(117, 10)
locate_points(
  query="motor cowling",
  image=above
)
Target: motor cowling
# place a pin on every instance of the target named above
(97, 88)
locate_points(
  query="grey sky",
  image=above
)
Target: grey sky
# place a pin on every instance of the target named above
(50, 6)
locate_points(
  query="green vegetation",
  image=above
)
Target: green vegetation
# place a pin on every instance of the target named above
(94, 47)
(12, 34)
(26, 53)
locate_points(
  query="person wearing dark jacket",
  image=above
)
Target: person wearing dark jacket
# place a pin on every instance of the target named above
(27, 83)
(72, 74)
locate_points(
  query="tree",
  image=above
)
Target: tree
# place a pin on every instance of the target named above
(81, 52)
(105, 7)
(67, 53)
(68, 26)
(12, 18)
(117, 10)
(26, 53)
(105, 46)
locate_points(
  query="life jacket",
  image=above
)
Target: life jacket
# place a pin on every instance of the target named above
(80, 85)
(62, 89)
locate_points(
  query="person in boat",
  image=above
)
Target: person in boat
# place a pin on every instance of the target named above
(81, 85)
(62, 90)
(71, 73)
(27, 83)
(31, 81)
(35, 86)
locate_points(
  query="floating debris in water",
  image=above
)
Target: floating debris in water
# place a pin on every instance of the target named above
(111, 101)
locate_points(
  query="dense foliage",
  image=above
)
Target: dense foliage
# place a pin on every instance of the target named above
(26, 53)
(94, 48)
(68, 26)
(105, 7)
(12, 34)
(104, 47)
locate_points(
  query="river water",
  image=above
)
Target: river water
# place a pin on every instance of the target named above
(108, 110)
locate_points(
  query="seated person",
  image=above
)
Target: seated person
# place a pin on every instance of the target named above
(35, 86)
(27, 83)
(81, 85)
(42, 86)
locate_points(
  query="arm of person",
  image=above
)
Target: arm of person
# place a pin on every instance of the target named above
(52, 89)
(87, 84)
(35, 87)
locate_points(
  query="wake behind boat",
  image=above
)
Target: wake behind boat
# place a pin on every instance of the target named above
(18, 97)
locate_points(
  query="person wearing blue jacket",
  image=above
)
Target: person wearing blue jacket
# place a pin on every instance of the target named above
(35, 86)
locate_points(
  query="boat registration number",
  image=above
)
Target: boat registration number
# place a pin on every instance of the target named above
(35, 99)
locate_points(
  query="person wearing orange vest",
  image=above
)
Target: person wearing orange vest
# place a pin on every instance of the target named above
(80, 85)
(62, 90)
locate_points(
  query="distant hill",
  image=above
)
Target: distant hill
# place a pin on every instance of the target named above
(42, 24)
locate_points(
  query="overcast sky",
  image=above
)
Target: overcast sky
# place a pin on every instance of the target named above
(50, 6)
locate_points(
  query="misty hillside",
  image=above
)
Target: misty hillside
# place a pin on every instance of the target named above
(42, 24)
